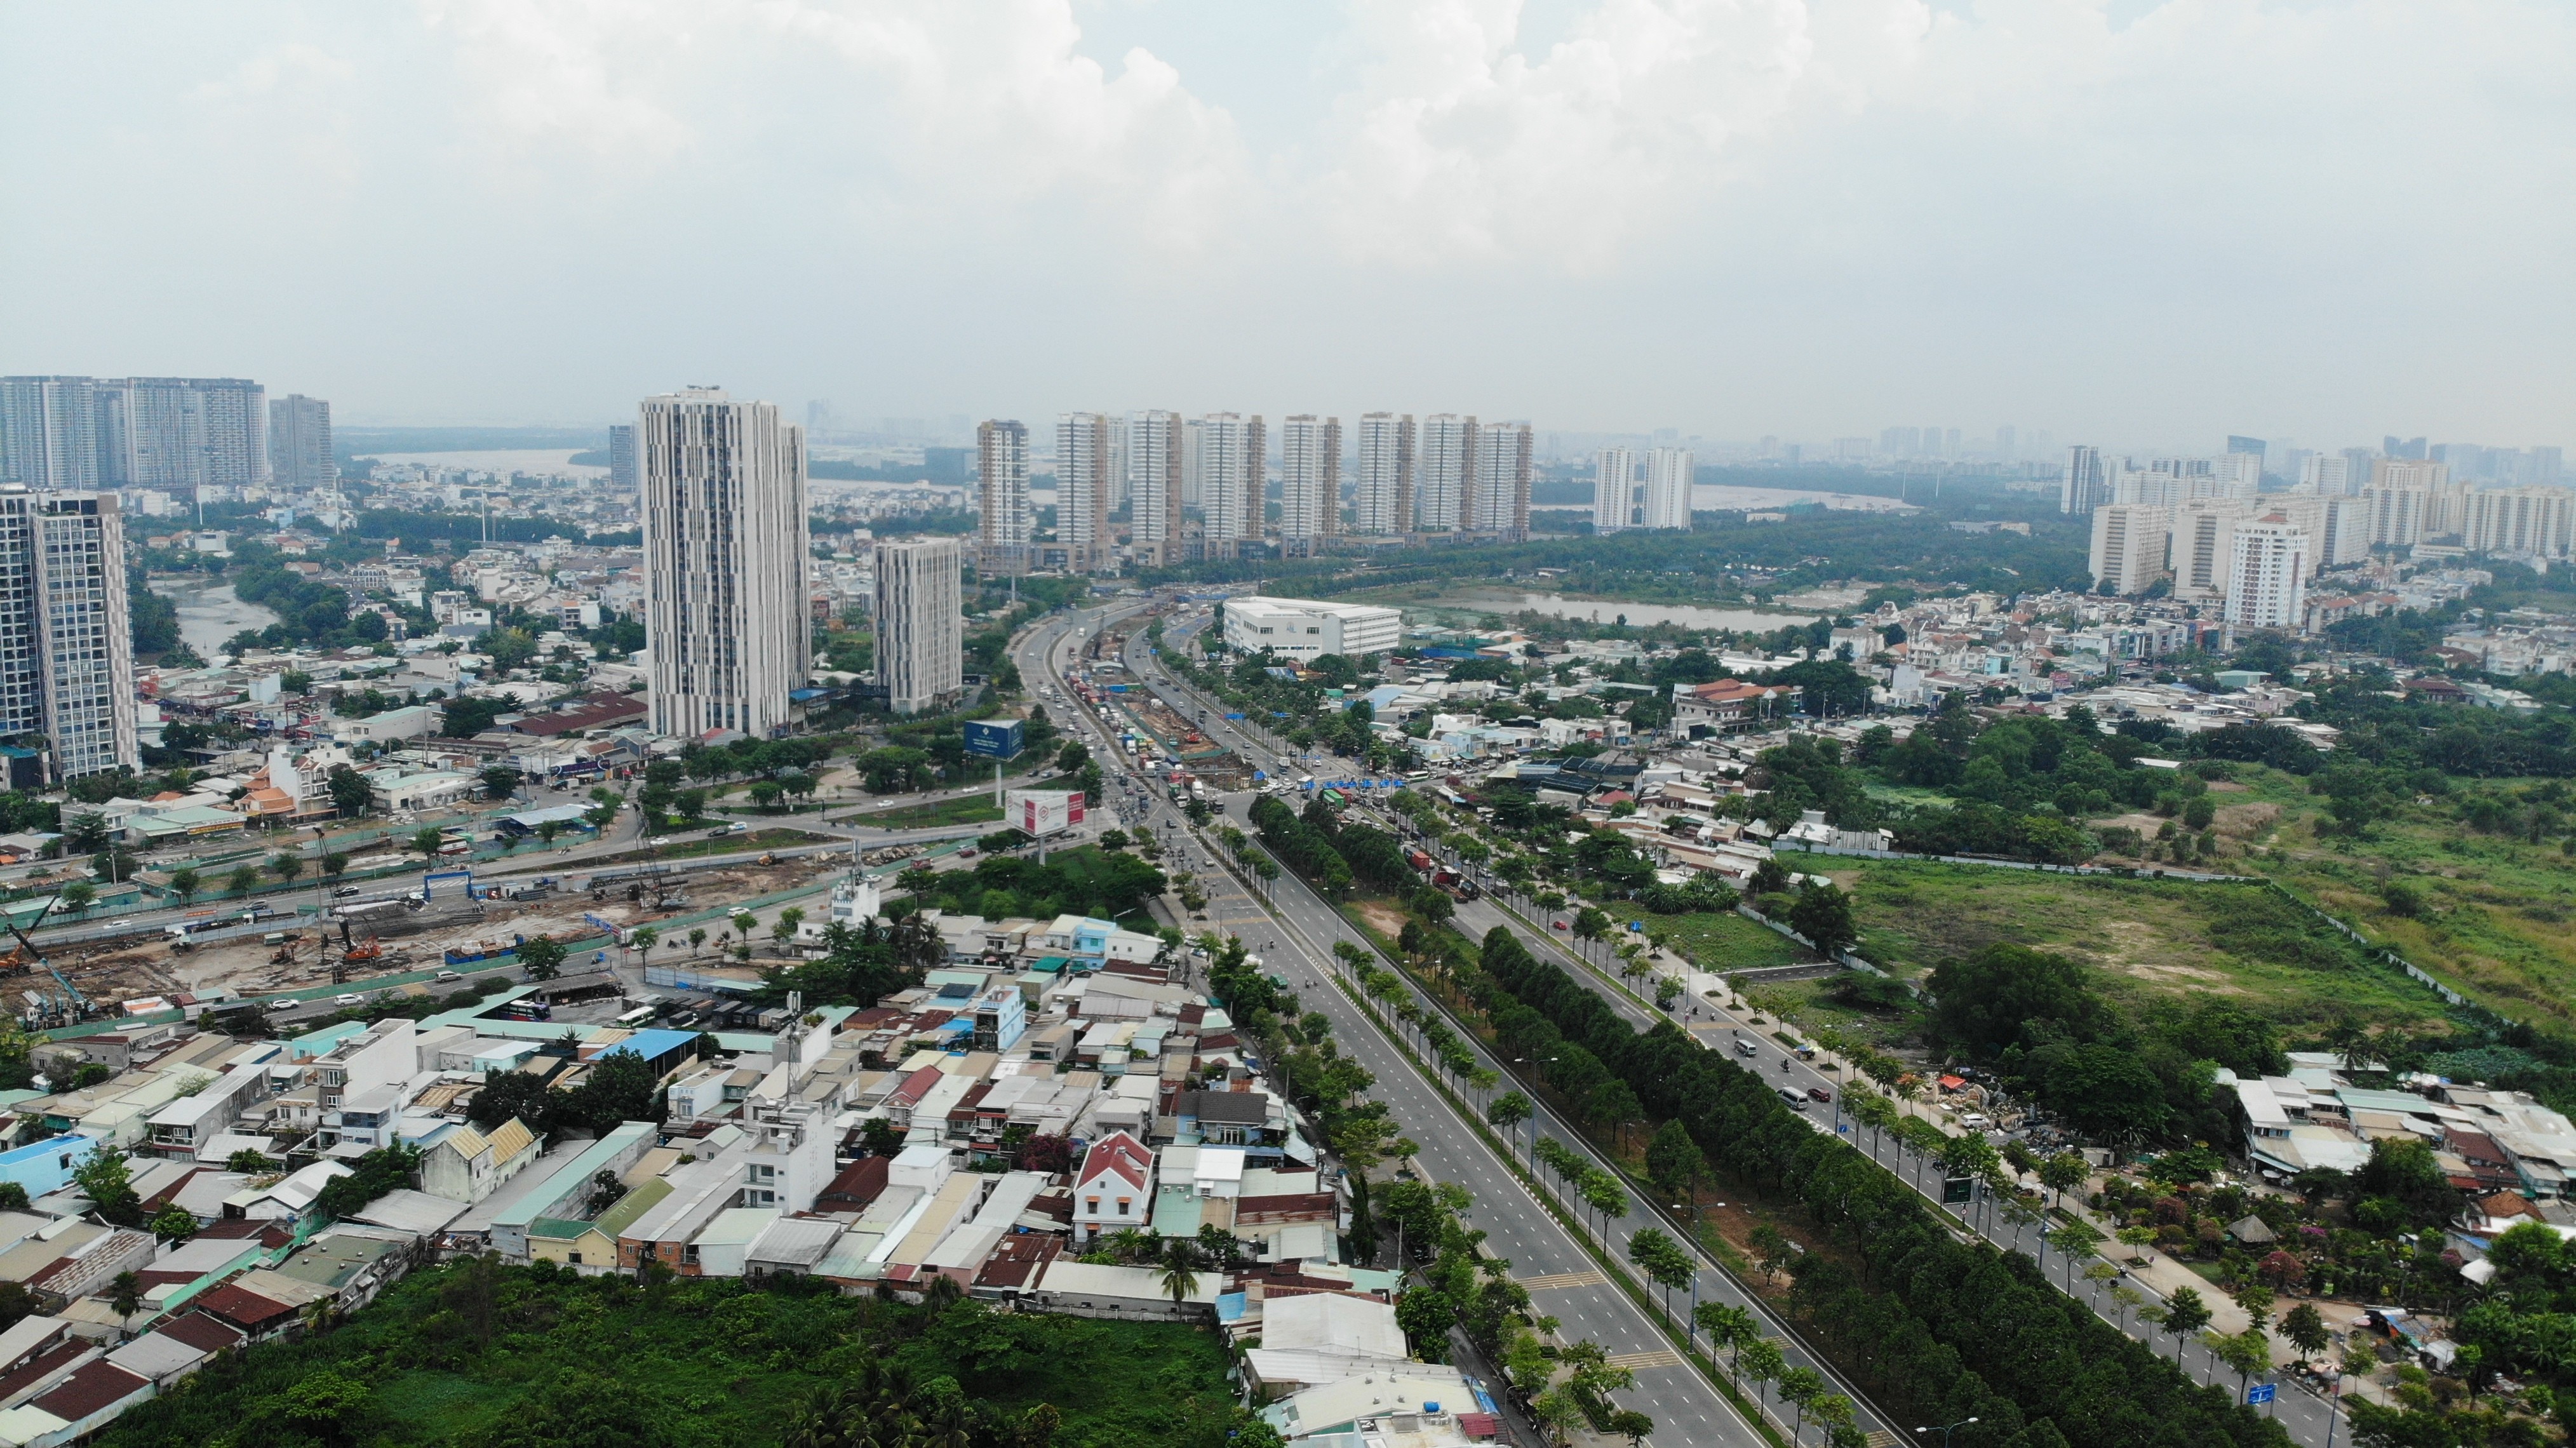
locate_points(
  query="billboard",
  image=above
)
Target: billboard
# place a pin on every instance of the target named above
(993, 738)
(1042, 812)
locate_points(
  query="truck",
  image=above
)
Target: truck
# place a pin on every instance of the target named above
(1420, 861)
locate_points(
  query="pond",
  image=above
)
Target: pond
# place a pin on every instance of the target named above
(210, 614)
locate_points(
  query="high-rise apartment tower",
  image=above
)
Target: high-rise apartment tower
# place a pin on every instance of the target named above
(726, 622)
(1310, 483)
(1614, 490)
(299, 444)
(1670, 474)
(1383, 498)
(1154, 454)
(66, 645)
(1082, 487)
(1002, 463)
(920, 622)
(1500, 502)
(1445, 469)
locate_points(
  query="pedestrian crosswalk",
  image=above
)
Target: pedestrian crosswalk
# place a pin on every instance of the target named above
(1664, 1358)
(1548, 1281)
(1884, 1438)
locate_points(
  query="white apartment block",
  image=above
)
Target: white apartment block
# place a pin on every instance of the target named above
(66, 646)
(1671, 473)
(2332, 476)
(2523, 522)
(183, 433)
(2129, 541)
(1232, 449)
(1004, 517)
(1614, 490)
(49, 432)
(299, 444)
(2338, 527)
(1304, 628)
(2083, 487)
(1382, 500)
(921, 622)
(1501, 499)
(1310, 483)
(2267, 586)
(727, 627)
(1082, 487)
(2201, 547)
(1445, 467)
(1154, 458)
(2399, 517)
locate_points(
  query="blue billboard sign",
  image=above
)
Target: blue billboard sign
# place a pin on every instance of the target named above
(993, 738)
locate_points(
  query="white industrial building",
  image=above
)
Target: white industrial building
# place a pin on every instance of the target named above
(724, 562)
(1305, 628)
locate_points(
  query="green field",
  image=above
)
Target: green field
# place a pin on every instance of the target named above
(2498, 908)
(541, 1358)
(2151, 940)
(1727, 942)
(972, 809)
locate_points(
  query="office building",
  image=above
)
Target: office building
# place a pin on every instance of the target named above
(1005, 520)
(1082, 488)
(2268, 580)
(1671, 472)
(66, 645)
(299, 444)
(2083, 488)
(1232, 449)
(1154, 459)
(1444, 469)
(1614, 490)
(2129, 541)
(1382, 498)
(921, 623)
(728, 630)
(1310, 484)
(2253, 445)
(49, 432)
(1304, 629)
(1500, 503)
(623, 473)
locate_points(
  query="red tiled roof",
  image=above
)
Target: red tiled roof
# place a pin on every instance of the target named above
(1116, 1153)
(200, 1331)
(243, 1308)
(1016, 1261)
(42, 1366)
(861, 1182)
(590, 711)
(100, 1385)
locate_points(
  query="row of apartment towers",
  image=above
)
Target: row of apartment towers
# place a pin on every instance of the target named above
(1449, 473)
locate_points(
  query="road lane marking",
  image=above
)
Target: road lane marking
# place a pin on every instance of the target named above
(1549, 1281)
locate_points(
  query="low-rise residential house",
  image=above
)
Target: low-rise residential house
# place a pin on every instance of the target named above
(1113, 1189)
(469, 1164)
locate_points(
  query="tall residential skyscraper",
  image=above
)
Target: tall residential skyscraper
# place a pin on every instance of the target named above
(1500, 503)
(623, 474)
(920, 622)
(1614, 490)
(1154, 456)
(66, 646)
(2084, 488)
(1671, 472)
(49, 432)
(726, 623)
(2267, 587)
(1310, 483)
(1002, 467)
(1231, 454)
(2129, 546)
(184, 433)
(1383, 499)
(1445, 469)
(299, 444)
(2331, 476)
(1082, 487)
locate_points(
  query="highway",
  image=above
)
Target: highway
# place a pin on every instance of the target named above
(1565, 1281)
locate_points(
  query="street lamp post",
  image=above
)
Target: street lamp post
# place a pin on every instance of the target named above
(1947, 1430)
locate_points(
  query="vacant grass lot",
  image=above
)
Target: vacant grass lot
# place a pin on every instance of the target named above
(2151, 940)
(556, 1360)
(1722, 943)
(2501, 916)
(973, 809)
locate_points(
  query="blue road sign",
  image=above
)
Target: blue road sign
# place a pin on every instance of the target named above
(993, 738)
(1234, 716)
(2260, 1394)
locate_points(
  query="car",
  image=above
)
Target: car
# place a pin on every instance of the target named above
(444, 977)
(967, 853)
(658, 841)
(1559, 924)
(349, 1000)
(1796, 1101)
(345, 891)
(1819, 1093)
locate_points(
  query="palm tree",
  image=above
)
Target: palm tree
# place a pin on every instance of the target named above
(1179, 1274)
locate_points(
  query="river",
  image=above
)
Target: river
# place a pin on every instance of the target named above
(210, 614)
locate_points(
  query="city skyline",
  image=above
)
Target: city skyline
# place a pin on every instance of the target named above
(1545, 211)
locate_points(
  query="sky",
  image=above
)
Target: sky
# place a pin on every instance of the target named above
(2139, 223)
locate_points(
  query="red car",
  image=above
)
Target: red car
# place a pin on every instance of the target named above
(1819, 1093)
(1557, 924)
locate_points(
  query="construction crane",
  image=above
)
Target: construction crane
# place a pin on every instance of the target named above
(28, 952)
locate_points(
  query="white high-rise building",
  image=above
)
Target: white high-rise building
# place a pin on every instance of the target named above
(1500, 502)
(2521, 522)
(1444, 469)
(1310, 483)
(2332, 476)
(2129, 541)
(2267, 586)
(1614, 490)
(1231, 457)
(921, 623)
(49, 432)
(2201, 547)
(1082, 487)
(2084, 487)
(1005, 519)
(299, 444)
(2399, 516)
(1154, 458)
(623, 472)
(1383, 499)
(66, 644)
(1671, 473)
(1192, 499)
(2338, 527)
(727, 629)
(184, 433)
(2237, 475)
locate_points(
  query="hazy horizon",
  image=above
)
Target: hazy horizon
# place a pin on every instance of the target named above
(2139, 223)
